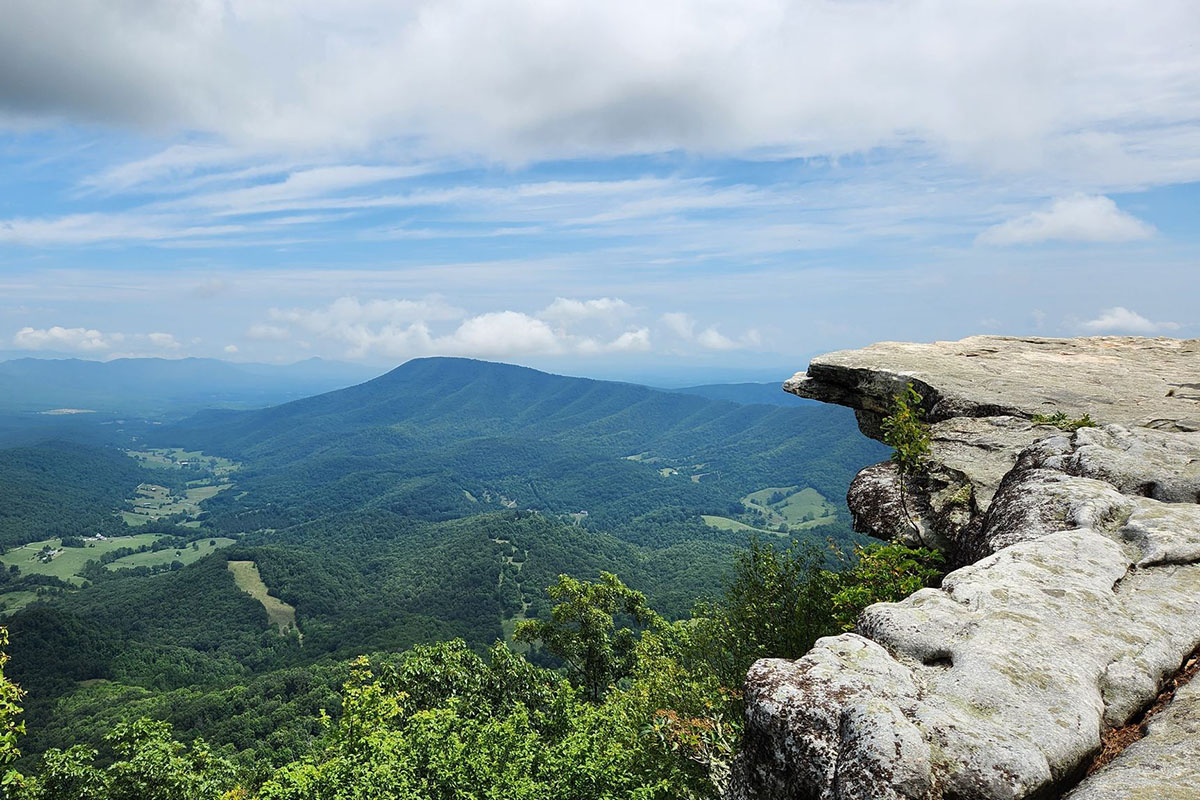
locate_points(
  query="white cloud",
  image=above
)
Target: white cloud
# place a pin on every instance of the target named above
(683, 326)
(349, 311)
(263, 332)
(680, 324)
(90, 340)
(76, 229)
(635, 341)
(712, 339)
(168, 165)
(500, 334)
(1004, 83)
(87, 340)
(1123, 320)
(231, 348)
(604, 308)
(1078, 218)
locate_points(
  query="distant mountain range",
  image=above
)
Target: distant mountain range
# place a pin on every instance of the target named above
(164, 387)
(770, 394)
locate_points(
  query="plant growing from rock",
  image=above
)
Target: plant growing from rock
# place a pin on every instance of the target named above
(908, 436)
(1061, 421)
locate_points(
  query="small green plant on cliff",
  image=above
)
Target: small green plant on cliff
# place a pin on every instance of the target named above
(908, 436)
(1060, 420)
(884, 573)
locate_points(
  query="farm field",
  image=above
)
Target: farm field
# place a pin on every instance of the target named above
(12, 602)
(185, 555)
(178, 458)
(793, 506)
(67, 561)
(245, 575)
(153, 502)
(798, 509)
(727, 524)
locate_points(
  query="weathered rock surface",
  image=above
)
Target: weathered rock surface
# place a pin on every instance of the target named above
(981, 394)
(1122, 379)
(1164, 764)
(999, 683)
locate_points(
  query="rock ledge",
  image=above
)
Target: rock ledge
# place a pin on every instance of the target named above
(1084, 600)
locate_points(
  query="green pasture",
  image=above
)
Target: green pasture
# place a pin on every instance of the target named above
(68, 561)
(247, 578)
(185, 555)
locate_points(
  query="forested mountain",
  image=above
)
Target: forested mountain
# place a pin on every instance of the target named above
(62, 489)
(436, 502)
(435, 437)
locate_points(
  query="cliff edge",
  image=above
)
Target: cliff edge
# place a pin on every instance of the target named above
(1077, 601)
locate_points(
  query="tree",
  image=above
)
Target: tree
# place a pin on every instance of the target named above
(908, 436)
(882, 574)
(582, 630)
(777, 605)
(10, 708)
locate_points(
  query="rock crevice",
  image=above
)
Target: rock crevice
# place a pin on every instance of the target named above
(1081, 591)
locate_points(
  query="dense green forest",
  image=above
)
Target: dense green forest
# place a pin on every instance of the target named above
(62, 489)
(437, 504)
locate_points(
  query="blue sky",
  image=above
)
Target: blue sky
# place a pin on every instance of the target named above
(620, 188)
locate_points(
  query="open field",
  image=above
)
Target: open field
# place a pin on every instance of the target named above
(178, 458)
(155, 502)
(185, 555)
(67, 561)
(727, 524)
(791, 505)
(12, 602)
(245, 575)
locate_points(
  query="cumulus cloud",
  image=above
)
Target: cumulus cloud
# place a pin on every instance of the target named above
(680, 324)
(1078, 218)
(635, 341)
(501, 333)
(568, 310)
(263, 332)
(507, 80)
(1123, 320)
(684, 327)
(165, 341)
(350, 311)
(87, 340)
(401, 328)
(231, 348)
(90, 340)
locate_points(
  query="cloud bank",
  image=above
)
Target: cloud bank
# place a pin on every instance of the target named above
(1122, 320)
(1017, 83)
(402, 328)
(1079, 218)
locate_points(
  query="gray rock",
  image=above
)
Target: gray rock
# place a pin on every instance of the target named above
(1120, 379)
(1008, 673)
(968, 459)
(999, 683)
(1164, 764)
(1151, 463)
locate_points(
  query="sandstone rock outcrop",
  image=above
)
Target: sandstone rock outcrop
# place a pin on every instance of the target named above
(1084, 600)
(1165, 764)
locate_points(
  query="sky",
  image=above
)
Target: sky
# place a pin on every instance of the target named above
(614, 188)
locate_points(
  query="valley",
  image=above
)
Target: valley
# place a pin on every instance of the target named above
(437, 502)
